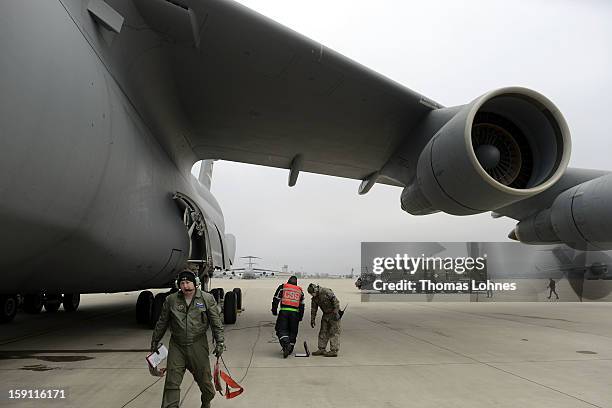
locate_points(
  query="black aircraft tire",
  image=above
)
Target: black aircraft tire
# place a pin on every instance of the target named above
(53, 303)
(238, 293)
(158, 302)
(221, 294)
(144, 307)
(71, 301)
(32, 303)
(216, 294)
(8, 308)
(230, 312)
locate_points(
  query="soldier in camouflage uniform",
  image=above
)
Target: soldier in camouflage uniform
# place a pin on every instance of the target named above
(330, 322)
(188, 312)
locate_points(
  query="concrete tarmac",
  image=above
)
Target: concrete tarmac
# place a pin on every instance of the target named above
(392, 354)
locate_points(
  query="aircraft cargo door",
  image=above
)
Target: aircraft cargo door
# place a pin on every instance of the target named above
(196, 225)
(216, 245)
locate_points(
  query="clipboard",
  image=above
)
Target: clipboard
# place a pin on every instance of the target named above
(155, 358)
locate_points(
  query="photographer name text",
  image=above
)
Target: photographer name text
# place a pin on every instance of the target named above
(428, 285)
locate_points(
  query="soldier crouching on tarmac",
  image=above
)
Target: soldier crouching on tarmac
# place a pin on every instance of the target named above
(188, 312)
(330, 322)
(291, 298)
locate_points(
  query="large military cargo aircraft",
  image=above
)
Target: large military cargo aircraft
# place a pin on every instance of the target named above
(105, 105)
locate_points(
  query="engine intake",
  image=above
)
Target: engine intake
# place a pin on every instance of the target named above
(504, 146)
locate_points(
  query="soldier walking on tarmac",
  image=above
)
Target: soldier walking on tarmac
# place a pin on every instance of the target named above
(291, 298)
(188, 312)
(552, 285)
(330, 322)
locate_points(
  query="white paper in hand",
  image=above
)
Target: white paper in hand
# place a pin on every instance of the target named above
(154, 359)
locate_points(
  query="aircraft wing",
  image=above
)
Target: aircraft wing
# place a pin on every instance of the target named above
(242, 87)
(257, 92)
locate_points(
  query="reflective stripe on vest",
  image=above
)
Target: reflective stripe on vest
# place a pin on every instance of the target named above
(292, 294)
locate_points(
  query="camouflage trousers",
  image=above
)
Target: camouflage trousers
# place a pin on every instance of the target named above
(194, 358)
(329, 332)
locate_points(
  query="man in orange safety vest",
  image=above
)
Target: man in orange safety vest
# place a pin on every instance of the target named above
(291, 299)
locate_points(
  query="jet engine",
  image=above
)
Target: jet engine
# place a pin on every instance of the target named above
(504, 146)
(598, 270)
(580, 217)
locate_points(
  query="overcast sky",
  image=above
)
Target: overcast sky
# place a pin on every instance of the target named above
(451, 52)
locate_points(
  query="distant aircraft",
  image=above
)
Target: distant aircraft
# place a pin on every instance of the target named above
(106, 105)
(249, 272)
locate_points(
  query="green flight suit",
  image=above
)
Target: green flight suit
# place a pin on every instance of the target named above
(330, 322)
(188, 348)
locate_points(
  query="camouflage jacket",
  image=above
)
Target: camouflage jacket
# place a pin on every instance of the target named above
(326, 300)
(188, 323)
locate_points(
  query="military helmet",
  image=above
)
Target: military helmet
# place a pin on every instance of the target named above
(312, 288)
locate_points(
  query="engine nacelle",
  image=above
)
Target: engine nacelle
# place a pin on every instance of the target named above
(505, 146)
(597, 270)
(580, 217)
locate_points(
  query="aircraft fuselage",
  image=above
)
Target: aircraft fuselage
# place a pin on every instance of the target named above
(86, 178)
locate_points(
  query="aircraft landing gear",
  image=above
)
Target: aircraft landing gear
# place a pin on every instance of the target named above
(238, 293)
(53, 302)
(8, 308)
(148, 307)
(216, 292)
(144, 307)
(230, 308)
(230, 303)
(71, 301)
(32, 303)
